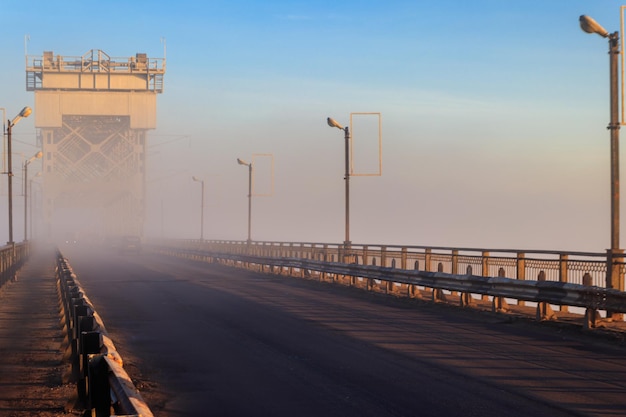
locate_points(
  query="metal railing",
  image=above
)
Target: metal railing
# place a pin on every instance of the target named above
(94, 61)
(12, 257)
(545, 277)
(97, 368)
(567, 267)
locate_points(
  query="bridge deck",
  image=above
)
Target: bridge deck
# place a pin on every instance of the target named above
(32, 359)
(31, 343)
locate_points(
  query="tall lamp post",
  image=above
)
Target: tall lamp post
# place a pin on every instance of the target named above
(26, 111)
(333, 123)
(589, 25)
(30, 202)
(249, 165)
(201, 207)
(26, 164)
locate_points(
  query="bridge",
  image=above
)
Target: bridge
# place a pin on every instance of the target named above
(199, 325)
(207, 327)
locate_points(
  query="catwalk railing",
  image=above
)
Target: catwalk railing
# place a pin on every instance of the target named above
(12, 257)
(565, 279)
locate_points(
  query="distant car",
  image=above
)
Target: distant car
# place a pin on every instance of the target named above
(130, 244)
(70, 239)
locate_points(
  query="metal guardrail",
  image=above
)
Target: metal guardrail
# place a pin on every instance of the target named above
(517, 264)
(102, 383)
(12, 257)
(392, 265)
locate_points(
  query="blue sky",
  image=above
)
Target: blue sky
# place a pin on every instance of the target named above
(493, 112)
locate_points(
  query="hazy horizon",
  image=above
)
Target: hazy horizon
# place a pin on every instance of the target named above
(494, 116)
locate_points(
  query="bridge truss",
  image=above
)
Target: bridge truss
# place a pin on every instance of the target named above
(93, 113)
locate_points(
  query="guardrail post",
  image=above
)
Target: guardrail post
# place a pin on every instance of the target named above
(403, 265)
(90, 343)
(353, 278)
(454, 265)
(544, 310)
(521, 272)
(414, 291)
(427, 264)
(371, 281)
(499, 303)
(485, 268)
(465, 298)
(99, 389)
(289, 253)
(302, 255)
(78, 309)
(438, 294)
(614, 277)
(383, 264)
(313, 256)
(592, 316)
(563, 263)
(323, 274)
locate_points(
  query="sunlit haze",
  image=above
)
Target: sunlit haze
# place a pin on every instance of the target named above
(494, 116)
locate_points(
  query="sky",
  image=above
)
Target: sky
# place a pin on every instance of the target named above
(493, 115)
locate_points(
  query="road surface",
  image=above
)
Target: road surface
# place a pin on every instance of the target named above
(202, 339)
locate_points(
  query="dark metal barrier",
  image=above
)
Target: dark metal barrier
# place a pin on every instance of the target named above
(304, 261)
(102, 384)
(12, 257)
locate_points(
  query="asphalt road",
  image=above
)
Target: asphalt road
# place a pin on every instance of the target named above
(202, 339)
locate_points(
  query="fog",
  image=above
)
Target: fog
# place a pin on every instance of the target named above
(481, 191)
(487, 141)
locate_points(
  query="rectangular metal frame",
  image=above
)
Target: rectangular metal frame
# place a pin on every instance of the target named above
(380, 147)
(264, 155)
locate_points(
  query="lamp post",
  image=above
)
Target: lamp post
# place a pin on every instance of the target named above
(249, 165)
(26, 111)
(589, 25)
(26, 164)
(4, 129)
(201, 207)
(30, 202)
(333, 123)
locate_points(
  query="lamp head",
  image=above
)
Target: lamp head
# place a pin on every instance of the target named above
(195, 178)
(32, 158)
(589, 25)
(242, 162)
(26, 111)
(333, 123)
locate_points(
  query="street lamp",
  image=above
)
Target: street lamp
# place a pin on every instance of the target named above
(201, 207)
(333, 123)
(249, 165)
(589, 25)
(26, 164)
(4, 129)
(30, 202)
(26, 111)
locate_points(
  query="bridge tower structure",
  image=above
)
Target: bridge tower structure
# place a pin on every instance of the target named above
(92, 114)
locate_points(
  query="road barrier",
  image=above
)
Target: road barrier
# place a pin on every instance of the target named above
(103, 385)
(388, 269)
(12, 257)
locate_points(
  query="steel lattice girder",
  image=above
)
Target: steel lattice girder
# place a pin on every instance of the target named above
(96, 163)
